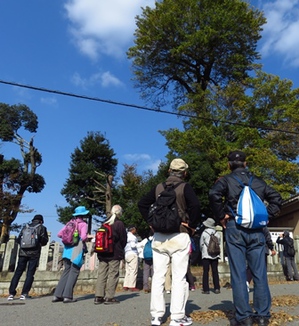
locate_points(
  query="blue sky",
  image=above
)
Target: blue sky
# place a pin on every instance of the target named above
(79, 46)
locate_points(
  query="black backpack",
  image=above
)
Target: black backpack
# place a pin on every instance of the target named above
(291, 249)
(163, 215)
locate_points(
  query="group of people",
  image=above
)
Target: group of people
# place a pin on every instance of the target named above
(245, 249)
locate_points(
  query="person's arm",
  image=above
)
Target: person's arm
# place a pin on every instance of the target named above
(274, 201)
(44, 238)
(216, 194)
(145, 202)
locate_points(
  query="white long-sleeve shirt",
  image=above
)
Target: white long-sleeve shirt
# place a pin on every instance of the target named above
(131, 247)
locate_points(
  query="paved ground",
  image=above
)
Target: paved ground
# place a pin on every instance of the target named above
(133, 309)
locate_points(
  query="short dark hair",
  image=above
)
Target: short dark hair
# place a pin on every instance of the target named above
(236, 164)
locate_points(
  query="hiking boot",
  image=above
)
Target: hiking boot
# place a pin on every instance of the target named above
(205, 292)
(156, 321)
(186, 321)
(10, 297)
(244, 322)
(261, 321)
(98, 300)
(217, 291)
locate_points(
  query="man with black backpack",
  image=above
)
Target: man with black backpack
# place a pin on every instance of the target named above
(32, 237)
(244, 244)
(289, 255)
(173, 221)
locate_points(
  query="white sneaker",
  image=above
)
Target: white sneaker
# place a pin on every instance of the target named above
(22, 297)
(156, 321)
(10, 297)
(186, 321)
(168, 291)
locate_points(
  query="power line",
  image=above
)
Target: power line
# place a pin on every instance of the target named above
(180, 114)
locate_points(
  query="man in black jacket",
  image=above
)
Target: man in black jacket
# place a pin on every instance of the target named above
(244, 244)
(173, 246)
(30, 257)
(291, 268)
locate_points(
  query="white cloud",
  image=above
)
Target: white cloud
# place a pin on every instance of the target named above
(52, 101)
(280, 34)
(137, 157)
(102, 26)
(105, 79)
(144, 162)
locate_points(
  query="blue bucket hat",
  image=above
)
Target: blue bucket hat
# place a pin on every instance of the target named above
(80, 210)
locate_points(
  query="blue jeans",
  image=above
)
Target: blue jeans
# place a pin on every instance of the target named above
(247, 246)
(22, 264)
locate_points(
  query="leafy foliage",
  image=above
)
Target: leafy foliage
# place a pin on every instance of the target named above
(17, 176)
(183, 46)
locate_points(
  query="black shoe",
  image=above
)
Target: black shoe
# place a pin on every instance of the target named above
(69, 300)
(217, 291)
(111, 301)
(244, 322)
(99, 300)
(56, 299)
(261, 321)
(205, 292)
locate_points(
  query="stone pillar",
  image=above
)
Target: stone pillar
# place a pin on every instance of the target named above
(10, 255)
(56, 256)
(42, 266)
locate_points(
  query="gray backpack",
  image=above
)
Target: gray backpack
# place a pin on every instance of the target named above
(29, 237)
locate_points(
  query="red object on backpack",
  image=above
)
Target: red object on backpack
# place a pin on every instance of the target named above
(104, 239)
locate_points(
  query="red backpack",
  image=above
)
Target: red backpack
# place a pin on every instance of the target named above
(104, 239)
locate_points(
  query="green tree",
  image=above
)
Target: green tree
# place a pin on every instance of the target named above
(17, 176)
(182, 47)
(259, 117)
(91, 165)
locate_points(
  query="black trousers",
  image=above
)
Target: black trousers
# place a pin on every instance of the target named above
(22, 264)
(206, 263)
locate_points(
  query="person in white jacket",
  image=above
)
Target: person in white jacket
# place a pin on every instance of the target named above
(208, 260)
(131, 260)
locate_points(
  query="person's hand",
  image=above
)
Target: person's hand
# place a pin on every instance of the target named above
(273, 252)
(187, 226)
(224, 221)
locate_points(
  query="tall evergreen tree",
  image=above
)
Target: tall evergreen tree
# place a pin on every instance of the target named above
(91, 164)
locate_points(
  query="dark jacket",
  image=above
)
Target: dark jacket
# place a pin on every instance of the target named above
(285, 241)
(190, 199)
(43, 239)
(119, 242)
(230, 188)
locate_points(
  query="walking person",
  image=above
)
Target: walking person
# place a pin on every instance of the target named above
(73, 259)
(172, 247)
(244, 245)
(208, 260)
(108, 270)
(28, 258)
(131, 260)
(289, 259)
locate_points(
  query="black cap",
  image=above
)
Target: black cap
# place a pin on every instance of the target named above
(237, 156)
(38, 217)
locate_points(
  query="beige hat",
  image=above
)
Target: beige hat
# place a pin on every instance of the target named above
(178, 165)
(209, 223)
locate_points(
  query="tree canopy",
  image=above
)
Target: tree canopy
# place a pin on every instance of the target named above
(183, 46)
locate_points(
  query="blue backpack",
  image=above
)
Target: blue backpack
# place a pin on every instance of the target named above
(251, 211)
(147, 250)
